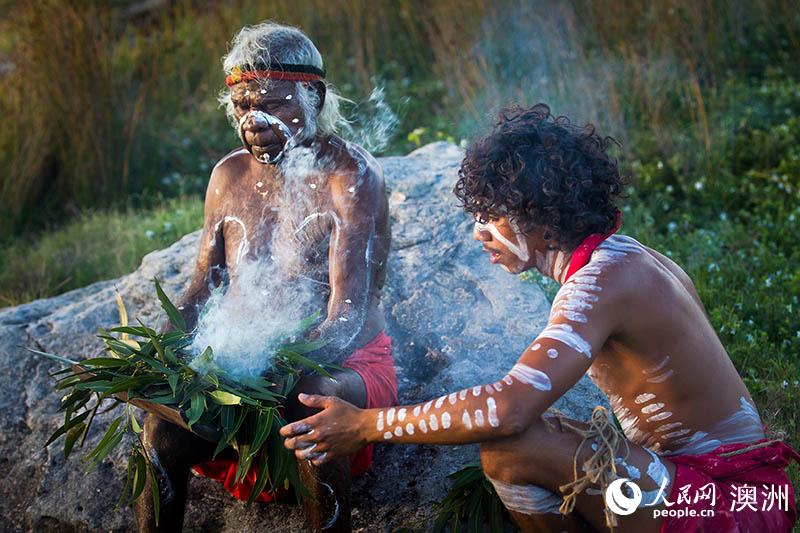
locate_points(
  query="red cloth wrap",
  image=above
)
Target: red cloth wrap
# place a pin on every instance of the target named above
(756, 468)
(374, 363)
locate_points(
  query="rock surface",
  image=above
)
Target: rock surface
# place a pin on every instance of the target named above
(456, 320)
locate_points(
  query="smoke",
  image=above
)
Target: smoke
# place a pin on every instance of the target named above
(269, 290)
(373, 123)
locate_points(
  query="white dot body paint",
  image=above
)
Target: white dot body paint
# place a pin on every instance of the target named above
(552, 353)
(497, 386)
(348, 301)
(416, 410)
(489, 390)
(567, 335)
(445, 420)
(652, 408)
(398, 431)
(390, 417)
(479, 418)
(531, 376)
(351, 189)
(646, 397)
(536, 346)
(410, 428)
(312, 185)
(433, 422)
(295, 120)
(452, 398)
(439, 402)
(476, 390)
(427, 406)
(507, 380)
(401, 415)
(423, 427)
(462, 395)
(387, 435)
(466, 420)
(667, 427)
(342, 319)
(491, 413)
(380, 421)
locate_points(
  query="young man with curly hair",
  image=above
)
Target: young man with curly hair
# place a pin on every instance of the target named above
(543, 193)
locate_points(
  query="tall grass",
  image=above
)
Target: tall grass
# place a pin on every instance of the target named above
(103, 105)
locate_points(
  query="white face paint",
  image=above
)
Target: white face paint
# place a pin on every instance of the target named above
(531, 376)
(519, 249)
(263, 119)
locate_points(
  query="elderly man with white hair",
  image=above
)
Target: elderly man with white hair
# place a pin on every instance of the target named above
(299, 203)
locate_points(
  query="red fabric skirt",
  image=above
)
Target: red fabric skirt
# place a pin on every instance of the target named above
(740, 488)
(374, 363)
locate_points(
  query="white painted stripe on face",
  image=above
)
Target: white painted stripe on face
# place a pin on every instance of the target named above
(466, 420)
(531, 376)
(433, 422)
(652, 408)
(401, 415)
(491, 413)
(439, 402)
(445, 420)
(520, 249)
(390, 417)
(479, 418)
(565, 334)
(410, 428)
(380, 421)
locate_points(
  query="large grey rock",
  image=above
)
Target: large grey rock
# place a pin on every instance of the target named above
(456, 321)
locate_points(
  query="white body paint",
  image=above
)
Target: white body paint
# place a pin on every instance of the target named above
(566, 334)
(531, 376)
(466, 420)
(527, 499)
(445, 420)
(491, 413)
(401, 415)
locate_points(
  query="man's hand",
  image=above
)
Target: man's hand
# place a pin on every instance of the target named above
(335, 431)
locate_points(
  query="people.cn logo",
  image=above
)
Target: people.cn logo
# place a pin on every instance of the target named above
(618, 502)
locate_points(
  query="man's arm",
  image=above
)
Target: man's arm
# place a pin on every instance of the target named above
(579, 326)
(355, 203)
(210, 263)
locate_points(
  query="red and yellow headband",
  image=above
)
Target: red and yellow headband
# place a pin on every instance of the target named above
(274, 71)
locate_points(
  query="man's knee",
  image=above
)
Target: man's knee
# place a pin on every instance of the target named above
(169, 440)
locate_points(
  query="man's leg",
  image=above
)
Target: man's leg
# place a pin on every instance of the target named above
(172, 451)
(528, 469)
(328, 507)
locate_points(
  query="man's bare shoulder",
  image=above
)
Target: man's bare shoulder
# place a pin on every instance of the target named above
(233, 163)
(356, 168)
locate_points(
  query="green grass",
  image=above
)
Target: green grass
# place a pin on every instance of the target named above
(95, 245)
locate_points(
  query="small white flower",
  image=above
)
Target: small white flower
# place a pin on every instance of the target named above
(698, 185)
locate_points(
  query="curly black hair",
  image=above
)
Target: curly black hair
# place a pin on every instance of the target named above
(541, 170)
